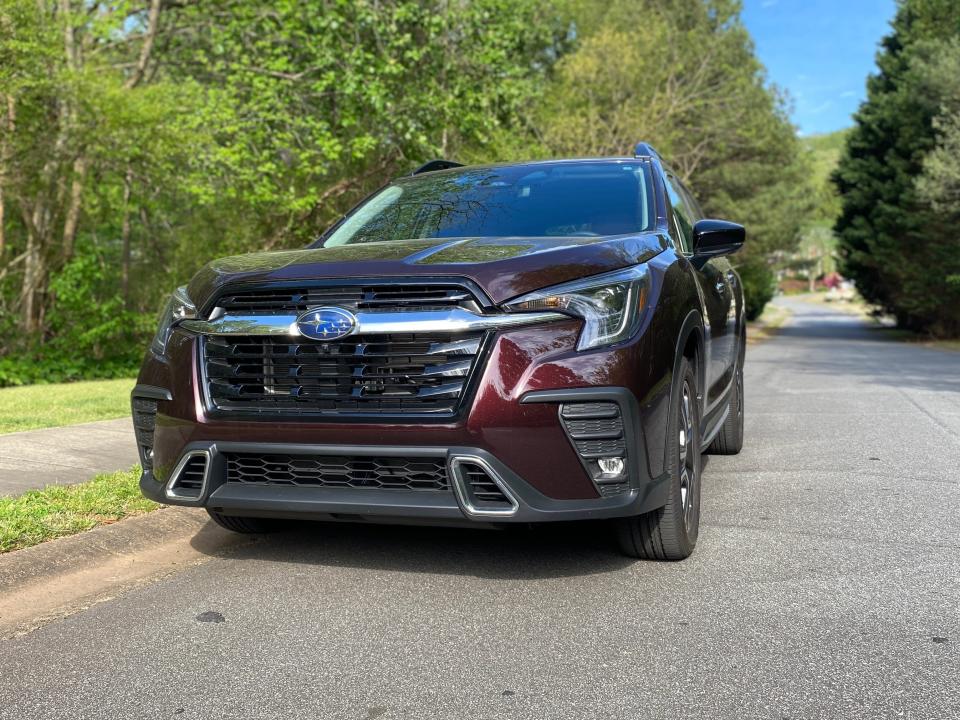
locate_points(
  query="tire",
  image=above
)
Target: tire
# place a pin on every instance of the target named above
(670, 532)
(243, 525)
(729, 441)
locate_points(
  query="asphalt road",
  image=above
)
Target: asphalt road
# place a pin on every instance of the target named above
(825, 585)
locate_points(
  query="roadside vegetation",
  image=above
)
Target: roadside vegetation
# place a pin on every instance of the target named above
(55, 511)
(40, 406)
(899, 176)
(139, 140)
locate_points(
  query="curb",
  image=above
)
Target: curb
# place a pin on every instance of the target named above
(58, 578)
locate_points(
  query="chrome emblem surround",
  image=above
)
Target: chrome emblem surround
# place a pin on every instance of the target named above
(326, 323)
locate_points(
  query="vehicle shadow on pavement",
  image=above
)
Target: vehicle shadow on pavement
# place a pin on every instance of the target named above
(550, 551)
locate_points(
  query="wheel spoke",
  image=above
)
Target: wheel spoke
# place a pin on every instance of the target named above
(689, 482)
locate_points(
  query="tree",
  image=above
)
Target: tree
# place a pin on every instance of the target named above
(686, 79)
(55, 91)
(894, 242)
(314, 104)
(140, 139)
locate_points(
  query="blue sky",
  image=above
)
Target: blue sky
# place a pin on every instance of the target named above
(821, 52)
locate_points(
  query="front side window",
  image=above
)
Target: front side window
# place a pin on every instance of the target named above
(585, 199)
(683, 214)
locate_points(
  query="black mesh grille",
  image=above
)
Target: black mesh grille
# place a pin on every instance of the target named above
(404, 473)
(393, 374)
(144, 425)
(280, 301)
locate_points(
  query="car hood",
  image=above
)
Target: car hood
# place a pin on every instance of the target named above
(503, 267)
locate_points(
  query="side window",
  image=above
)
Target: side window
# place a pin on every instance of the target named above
(683, 214)
(695, 210)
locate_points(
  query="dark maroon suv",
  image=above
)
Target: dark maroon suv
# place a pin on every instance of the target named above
(534, 342)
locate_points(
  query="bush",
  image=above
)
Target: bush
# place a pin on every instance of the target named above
(759, 286)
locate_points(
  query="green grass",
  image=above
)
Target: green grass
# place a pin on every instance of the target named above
(38, 406)
(60, 510)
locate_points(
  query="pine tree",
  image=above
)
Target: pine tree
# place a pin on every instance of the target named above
(900, 251)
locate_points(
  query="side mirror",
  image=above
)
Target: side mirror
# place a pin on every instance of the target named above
(712, 238)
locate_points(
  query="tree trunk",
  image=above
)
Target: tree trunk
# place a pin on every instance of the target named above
(8, 124)
(72, 219)
(125, 240)
(33, 274)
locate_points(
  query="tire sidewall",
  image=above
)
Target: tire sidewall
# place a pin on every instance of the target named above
(687, 536)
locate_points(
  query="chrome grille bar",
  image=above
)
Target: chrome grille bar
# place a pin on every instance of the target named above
(375, 323)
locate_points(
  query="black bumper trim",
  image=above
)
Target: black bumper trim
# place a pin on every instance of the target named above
(326, 502)
(629, 411)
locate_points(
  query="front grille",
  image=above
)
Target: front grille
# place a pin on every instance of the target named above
(144, 426)
(292, 301)
(393, 374)
(403, 473)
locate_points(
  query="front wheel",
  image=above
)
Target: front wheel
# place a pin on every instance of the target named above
(729, 441)
(670, 533)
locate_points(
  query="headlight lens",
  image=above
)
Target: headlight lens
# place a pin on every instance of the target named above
(610, 304)
(176, 308)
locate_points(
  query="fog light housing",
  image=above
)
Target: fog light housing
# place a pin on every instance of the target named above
(611, 465)
(595, 429)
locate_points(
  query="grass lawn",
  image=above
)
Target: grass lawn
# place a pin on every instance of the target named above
(59, 510)
(38, 406)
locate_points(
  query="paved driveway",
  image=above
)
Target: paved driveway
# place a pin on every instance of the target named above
(60, 456)
(825, 585)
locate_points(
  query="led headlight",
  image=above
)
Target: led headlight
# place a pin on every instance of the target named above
(610, 304)
(176, 308)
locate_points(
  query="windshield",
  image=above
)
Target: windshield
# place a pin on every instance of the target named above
(591, 198)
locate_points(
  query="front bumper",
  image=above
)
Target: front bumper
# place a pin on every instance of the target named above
(350, 503)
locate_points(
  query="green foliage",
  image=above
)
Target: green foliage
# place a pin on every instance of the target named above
(137, 146)
(897, 242)
(91, 334)
(686, 79)
(251, 126)
(759, 285)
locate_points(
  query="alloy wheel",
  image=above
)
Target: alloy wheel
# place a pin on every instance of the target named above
(689, 480)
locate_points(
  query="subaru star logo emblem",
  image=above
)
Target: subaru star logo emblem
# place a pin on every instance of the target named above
(326, 323)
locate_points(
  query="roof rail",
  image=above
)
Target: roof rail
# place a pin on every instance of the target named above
(645, 150)
(436, 165)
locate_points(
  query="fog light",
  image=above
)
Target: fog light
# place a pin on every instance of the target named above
(611, 466)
